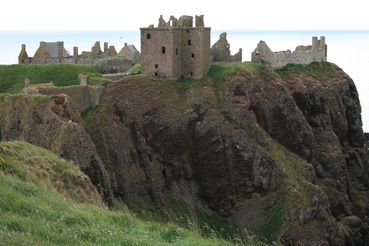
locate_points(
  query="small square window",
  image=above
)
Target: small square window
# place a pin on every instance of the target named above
(193, 55)
(156, 65)
(156, 74)
(189, 42)
(148, 36)
(163, 50)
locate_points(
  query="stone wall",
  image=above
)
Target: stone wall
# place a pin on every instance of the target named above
(84, 96)
(301, 55)
(221, 52)
(107, 61)
(176, 49)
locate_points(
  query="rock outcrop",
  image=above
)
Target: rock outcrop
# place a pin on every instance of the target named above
(280, 153)
(54, 123)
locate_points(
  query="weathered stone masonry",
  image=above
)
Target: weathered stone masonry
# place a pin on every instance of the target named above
(54, 52)
(301, 55)
(176, 49)
(221, 52)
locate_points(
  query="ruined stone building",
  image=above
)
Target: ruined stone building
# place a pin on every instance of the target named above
(130, 52)
(221, 52)
(301, 55)
(176, 48)
(54, 52)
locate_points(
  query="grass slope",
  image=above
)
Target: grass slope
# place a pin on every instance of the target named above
(12, 77)
(34, 210)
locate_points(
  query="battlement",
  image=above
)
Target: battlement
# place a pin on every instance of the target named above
(301, 55)
(176, 48)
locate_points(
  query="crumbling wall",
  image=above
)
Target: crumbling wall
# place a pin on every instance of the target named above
(301, 55)
(221, 52)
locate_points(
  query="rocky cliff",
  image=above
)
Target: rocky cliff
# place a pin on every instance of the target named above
(54, 123)
(280, 153)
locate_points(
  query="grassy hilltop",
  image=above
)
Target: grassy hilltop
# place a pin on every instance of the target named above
(12, 77)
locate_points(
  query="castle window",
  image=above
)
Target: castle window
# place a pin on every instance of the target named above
(188, 31)
(156, 65)
(163, 50)
(193, 55)
(176, 51)
(189, 42)
(148, 36)
(156, 74)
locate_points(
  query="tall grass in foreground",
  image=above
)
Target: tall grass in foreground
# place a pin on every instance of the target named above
(35, 214)
(32, 215)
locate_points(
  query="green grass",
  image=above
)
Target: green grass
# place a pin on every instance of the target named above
(320, 70)
(12, 77)
(34, 212)
(135, 69)
(95, 79)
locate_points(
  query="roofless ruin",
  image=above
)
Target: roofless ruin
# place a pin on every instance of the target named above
(177, 48)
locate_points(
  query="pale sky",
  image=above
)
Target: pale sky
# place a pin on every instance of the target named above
(117, 15)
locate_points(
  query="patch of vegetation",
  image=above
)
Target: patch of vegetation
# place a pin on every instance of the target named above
(96, 79)
(296, 197)
(320, 70)
(135, 69)
(34, 214)
(206, 224)
(12, 77)
(39, 166)
(276, 216)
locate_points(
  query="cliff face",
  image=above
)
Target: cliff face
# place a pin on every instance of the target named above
(280, 153)
(53, 123)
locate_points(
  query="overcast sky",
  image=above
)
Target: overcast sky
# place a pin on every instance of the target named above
(117, 15)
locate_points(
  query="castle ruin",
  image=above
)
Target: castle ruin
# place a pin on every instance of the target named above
(220, 51)
(301, 55)
(176, 48)
(54, 52)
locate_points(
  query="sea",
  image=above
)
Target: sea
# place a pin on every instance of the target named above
(348, 49)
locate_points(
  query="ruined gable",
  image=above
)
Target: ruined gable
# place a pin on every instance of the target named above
(23, 56)
(130, 52)
(42, 52)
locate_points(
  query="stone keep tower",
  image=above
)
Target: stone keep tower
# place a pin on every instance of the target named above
(176, 48)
